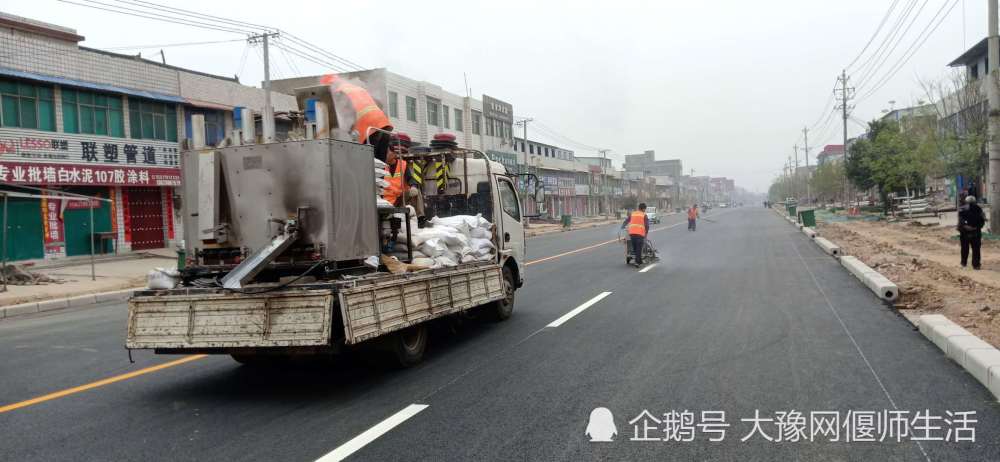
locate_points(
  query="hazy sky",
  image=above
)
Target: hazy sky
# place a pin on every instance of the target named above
(726, 86)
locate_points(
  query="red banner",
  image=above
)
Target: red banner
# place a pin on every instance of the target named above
(52, 224)
(87, 175)
(170, 213)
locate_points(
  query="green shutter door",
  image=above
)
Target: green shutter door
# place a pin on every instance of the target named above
(77, 226)
(24, 229)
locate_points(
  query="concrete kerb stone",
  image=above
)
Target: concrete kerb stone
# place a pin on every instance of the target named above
(809, 232)
(977, 357)
(882, 286)
(62, 303)
(828, 247)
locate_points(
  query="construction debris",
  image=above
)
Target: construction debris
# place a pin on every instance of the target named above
(18, 276)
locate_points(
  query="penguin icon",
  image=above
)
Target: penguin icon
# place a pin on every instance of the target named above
(601, 428)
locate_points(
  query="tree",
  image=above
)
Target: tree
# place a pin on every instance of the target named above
(959, 137)
(827, 181)
(889, 160)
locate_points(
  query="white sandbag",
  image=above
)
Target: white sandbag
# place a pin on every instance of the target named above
(487, 257)
(160, 278)
(444, 261)
(382, 183)
(380, 164)
(448, 235)
(477, 243)
(382, 203)
(433, 247)
(372, 262)
(424, 261)
(379, 172)
(480, 233)
(468, 258)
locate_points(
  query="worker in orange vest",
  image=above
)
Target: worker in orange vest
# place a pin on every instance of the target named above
(403, 174)
(692, 217)
(637, 224)
(369, 125)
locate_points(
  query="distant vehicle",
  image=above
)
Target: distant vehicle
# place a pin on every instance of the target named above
(723, 205)
(653, 216)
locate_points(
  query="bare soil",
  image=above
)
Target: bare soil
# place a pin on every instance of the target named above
(924, 262)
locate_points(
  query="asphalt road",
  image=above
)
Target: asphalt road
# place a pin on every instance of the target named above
(744, 317)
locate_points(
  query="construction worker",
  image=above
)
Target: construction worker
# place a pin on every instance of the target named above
(403, 174)
(971, 220)
(692, 217)
(369, 125)
(637, 224)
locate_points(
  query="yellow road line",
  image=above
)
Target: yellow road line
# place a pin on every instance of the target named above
(99, 383)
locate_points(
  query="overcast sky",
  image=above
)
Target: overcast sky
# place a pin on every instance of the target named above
(726, 86)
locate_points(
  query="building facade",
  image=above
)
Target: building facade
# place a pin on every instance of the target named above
(103, 125)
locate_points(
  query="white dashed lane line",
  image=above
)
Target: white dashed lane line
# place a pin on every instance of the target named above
(578, 310)
(362, 440)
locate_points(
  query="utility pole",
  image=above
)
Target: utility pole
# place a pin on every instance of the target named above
(267, 118)
(795, 173)
(993, 109)
(524, 123)
(846, 93)
(805, 132)
(604, 182)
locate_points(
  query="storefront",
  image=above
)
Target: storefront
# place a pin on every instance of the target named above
(136, 177)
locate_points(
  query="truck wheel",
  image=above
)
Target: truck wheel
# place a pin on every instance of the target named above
(503, 308)
(409, 345)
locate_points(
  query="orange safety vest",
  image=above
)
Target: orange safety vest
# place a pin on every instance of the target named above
(367, 114)
(692, 213)
(395, 180)
(637, 224)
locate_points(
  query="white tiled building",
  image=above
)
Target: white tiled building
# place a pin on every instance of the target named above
(99, 124)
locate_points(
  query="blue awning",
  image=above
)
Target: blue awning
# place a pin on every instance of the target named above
(91, 85)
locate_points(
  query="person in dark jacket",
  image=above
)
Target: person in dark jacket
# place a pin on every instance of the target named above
(971, 220)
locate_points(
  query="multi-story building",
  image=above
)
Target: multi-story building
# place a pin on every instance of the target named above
(830, 153)
(102, 125)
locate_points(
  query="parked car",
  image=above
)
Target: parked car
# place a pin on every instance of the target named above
(653, 215)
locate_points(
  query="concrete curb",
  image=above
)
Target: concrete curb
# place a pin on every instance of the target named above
(827, 246)
(977, 357)
(809, 232)
(63, 303)
(882, 286)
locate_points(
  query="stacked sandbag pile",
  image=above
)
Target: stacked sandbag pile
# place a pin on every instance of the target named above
(452, 240)
(381, 171)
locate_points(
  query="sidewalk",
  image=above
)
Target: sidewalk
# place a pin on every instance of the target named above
(536, 228)
(115, 273)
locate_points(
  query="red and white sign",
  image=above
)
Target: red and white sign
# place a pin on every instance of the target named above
(53, 226)
(87, 175)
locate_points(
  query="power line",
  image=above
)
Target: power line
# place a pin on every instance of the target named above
(877, 30)
(169, 45)
(291, 65)
(291, 37)
(156, 17)
(243, 60)
(874, 70)
(913, 49)
(865, 67)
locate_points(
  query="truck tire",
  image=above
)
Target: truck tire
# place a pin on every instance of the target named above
(408, 345)
(503, 308)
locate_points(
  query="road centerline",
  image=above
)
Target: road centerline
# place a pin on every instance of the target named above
(575, 311)
(99, 383)
(373, 433)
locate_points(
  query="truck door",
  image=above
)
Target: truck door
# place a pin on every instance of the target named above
(511, 231)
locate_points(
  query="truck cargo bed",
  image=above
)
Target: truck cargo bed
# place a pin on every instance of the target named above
(213, 320)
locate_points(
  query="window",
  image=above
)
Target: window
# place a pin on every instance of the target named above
(92, 113)
(433, 107)
(25, 105)
(531, 147)
(508, 200)
(459, 123)
(447, 116)
(393, 104)
(152, 120)
(477, 123)
(489, 127)
(411, 109)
